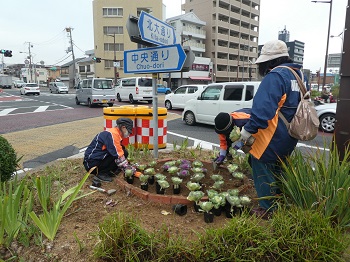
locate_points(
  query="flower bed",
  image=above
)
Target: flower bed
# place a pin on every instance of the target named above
(244, 185)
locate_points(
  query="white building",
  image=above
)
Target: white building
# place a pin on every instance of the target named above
(189, 32)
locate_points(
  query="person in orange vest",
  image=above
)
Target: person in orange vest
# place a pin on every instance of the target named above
(106, 152)
(224, 123)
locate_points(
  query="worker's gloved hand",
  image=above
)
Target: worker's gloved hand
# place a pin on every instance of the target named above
(244, 135)
(122, 162)
(220, 159)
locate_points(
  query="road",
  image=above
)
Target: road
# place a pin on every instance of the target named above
(50, 126)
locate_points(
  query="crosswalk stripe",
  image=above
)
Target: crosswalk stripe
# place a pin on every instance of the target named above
(7, 111)
(41, 109)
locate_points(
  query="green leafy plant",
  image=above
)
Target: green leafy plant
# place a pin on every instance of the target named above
(159, 176)
(232, 168)
(319, 181)
(150, 171)
(238, 175)
(216, 177)
(217, 200)
(173, 169)
(163, 184)
(206, 206)
(195, 196)
(218, 184)
(197, 163)
(128, 172)
(143, 179)
(193, 186)
(8, 160)
(49, 220)
(197, 177)
(176, 181)
(16, 202)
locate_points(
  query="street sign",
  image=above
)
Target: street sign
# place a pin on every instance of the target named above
(155, 31)
(116, 64)
(158, 59)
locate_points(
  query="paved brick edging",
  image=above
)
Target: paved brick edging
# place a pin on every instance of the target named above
(156, 198)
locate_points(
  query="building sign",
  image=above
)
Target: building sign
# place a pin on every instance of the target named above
(200, 67)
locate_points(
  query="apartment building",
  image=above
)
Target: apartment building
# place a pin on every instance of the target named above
(110, 35)
(232, 28)
(189, 32)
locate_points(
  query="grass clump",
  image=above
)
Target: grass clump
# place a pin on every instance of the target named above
(121, 238)
(319, 181)
(291, 235)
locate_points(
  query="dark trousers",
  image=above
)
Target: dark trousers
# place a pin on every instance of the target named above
(106, 165)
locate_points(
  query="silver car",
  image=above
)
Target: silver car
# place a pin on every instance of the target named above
(58, 87)
(30, 88)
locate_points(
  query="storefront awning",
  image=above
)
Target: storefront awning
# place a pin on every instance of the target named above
(202, 78)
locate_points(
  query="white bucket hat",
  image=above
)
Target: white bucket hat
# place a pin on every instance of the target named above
(271, 50)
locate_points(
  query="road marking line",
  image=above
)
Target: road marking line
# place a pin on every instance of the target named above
(41, 109)
(7, 111)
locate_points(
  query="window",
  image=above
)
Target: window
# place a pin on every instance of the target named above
(81, 69)
(110, 47)
(145, 82)
(192, 89)
(249, 93)
(129, 82)
(112, 11)
(181, 90)
(212, 93)
(118, 30)
(233, 93)
(102, 84)
(109, 63)
(88, 68)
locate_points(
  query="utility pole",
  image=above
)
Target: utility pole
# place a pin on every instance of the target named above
(69, 30)
(30, 62)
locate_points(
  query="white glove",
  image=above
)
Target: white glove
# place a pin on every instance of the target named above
(245, 134)
(122, 162)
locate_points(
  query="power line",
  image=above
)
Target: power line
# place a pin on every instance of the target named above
(63, 59)
(47, 42)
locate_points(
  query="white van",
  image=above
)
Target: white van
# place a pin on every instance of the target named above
(219, 97)
(134, 89)
(95, 91)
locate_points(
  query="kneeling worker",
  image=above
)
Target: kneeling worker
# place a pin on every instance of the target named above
(224, 124)
(106, 151)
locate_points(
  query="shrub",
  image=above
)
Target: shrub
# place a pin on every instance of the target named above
(8, 160)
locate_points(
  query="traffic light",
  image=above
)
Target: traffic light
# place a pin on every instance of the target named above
(8, 53)
(97, 59)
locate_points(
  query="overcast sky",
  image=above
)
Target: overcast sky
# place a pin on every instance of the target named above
(43, 23)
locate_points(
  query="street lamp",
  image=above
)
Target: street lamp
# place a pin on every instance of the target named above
(329, 27)
(341, 49)
(115, 58)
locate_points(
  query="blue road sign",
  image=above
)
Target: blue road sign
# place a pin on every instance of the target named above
(158, 59)
(155, 31)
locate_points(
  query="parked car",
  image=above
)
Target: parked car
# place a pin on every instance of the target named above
(181, 95)
(30, 88)
(58, 87)
(161, 89)
(327, 116)
(18, 83)
(219, 97)
(134, 89)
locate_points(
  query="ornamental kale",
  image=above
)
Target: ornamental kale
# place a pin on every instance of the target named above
(193, 186)
(206, 206)
(195, 196)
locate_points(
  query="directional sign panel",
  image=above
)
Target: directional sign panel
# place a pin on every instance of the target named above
(159, 59)
(155, 31)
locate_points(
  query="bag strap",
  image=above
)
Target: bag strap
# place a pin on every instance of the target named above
(304, 94)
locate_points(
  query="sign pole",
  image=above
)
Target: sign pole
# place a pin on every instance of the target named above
(155, 115)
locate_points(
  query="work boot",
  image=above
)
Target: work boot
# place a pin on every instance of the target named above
(103, 178)
(116, 172)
